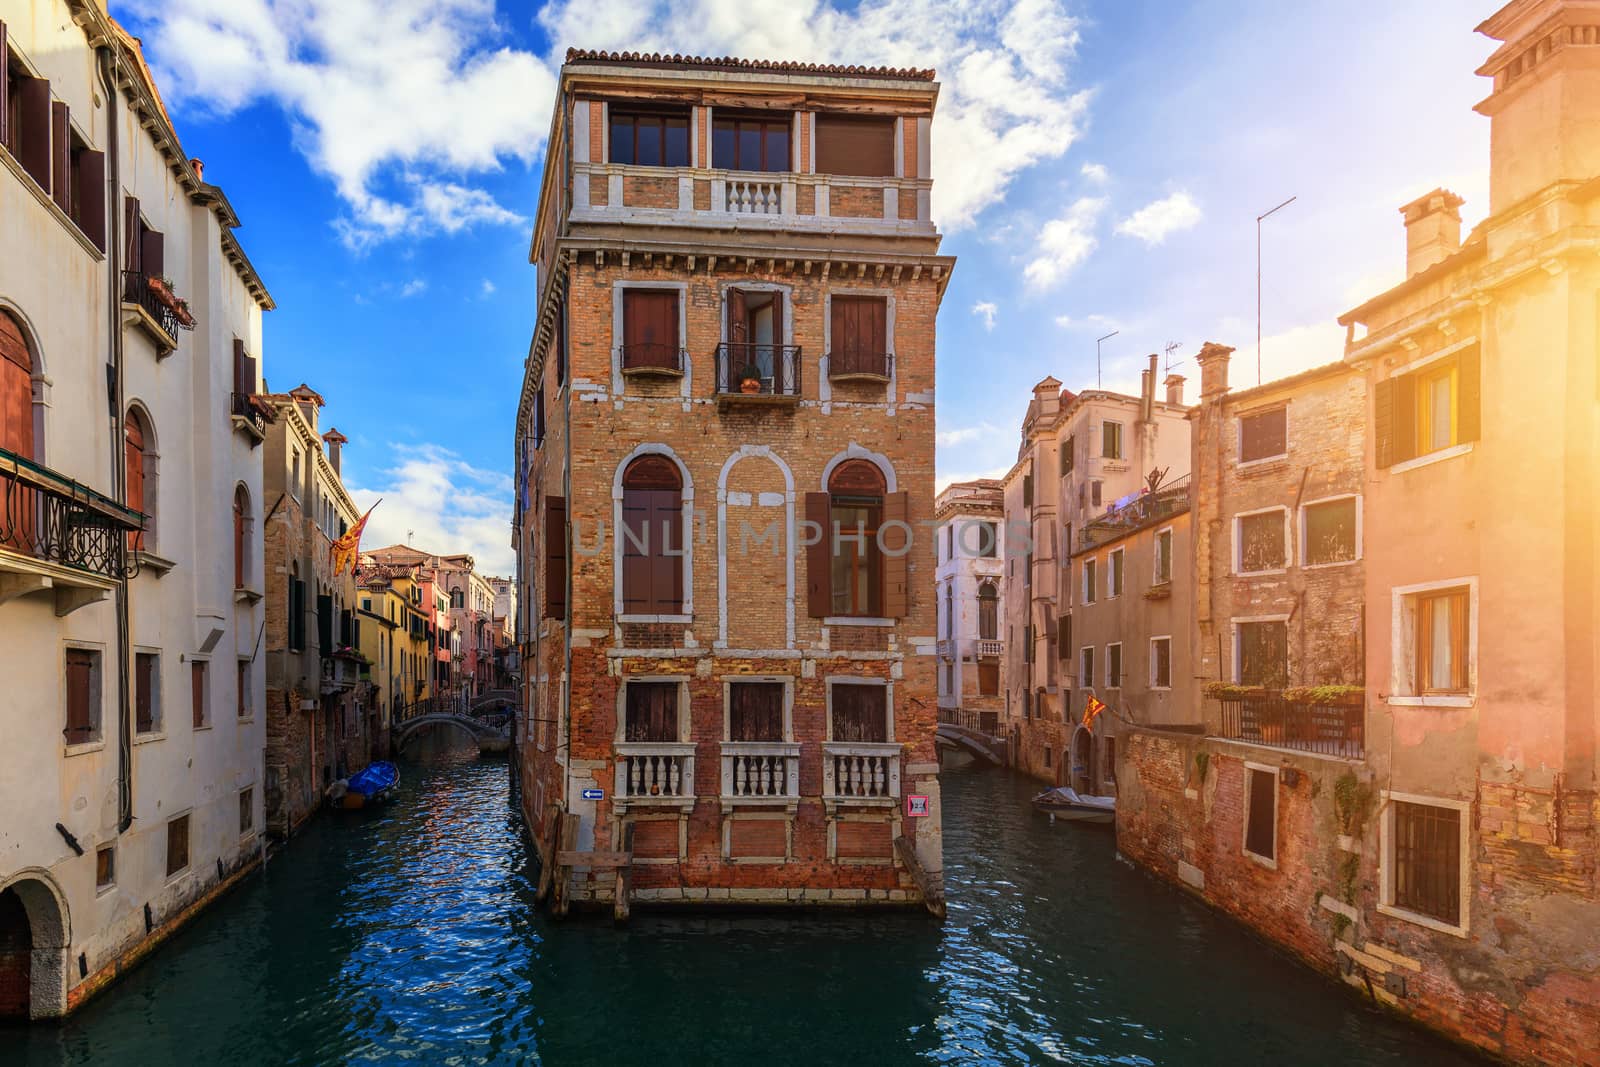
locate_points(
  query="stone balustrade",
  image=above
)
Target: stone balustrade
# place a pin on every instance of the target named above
(860, 771)
(761, 770)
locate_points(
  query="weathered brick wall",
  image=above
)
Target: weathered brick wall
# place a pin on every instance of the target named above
(855, 201)
(648, 190)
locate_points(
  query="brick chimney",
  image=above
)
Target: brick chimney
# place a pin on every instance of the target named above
(333, 439)
(1174, 384)
(1213, 360)
(1433, 229)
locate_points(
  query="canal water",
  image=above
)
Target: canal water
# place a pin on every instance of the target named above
(411, 934)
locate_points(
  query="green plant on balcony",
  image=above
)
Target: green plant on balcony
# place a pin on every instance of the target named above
(1325, 695)
(1230, 690)
(749, 378)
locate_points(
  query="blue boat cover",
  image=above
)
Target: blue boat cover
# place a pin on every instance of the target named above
(374, 778)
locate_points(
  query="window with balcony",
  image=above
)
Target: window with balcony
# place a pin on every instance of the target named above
(755, 711)
(1111, 440)
(146, 692)
(652, 712)
(651, 336)
(858, 337)
(16, 423)
(1330, 530)
(654, 137)
(751, 141)
(1262, 651)
(82, 674)
(1260, 542)
(754, 359)
(1263, 435)
(859, 713)
(855, 145)
(988, 612)
(1430, 410)
(653, 556)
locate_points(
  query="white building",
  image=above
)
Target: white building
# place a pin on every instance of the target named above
(971, 553)
(130, 777)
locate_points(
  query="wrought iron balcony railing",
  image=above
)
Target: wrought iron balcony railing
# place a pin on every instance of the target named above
(56, 520)
(243, 408)
(758, 370)
(158, 301)
(1268, 718)
(853, 363)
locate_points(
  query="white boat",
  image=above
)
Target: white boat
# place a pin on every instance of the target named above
(1064, 802)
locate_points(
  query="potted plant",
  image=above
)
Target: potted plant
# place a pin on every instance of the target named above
(750, 378)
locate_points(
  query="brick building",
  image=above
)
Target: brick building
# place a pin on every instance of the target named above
(734, 355)
(971, 553)
(1449, 866)
(1082, 455)
(323, 717)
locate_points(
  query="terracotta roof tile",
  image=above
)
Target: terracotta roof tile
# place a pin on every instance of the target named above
(734, 63)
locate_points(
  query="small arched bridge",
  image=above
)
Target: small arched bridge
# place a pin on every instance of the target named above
(966, 730)
(488, 721)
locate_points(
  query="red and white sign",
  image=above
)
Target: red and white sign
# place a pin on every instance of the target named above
(918, 807)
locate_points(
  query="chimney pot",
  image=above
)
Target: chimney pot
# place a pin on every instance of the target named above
(1174, 384)
(1433, 229)
(1213, 360)
(199, 168)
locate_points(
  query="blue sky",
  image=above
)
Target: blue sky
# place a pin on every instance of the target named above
(1099, 166)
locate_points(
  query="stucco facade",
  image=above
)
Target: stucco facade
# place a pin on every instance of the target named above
(970, 548)
(131, 776)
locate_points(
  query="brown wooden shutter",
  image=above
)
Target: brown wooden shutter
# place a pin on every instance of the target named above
(16, 389)
(5, 91)
(896, 590)
(152, 251)
(874, 326)
(61, 156)
(1469, 395)
(32, 135)
(144, 689)
(819, 558)
(1383, 423)
(855, 145)
(238, 541)
(838, 326)
(777, 330)
(131, 246)
(197, 691)
(1064, 637)
(80, 695)
(555, 557)
(90, 197)
(133, 454)
(1405, 417)
(738, 321)
(636, 568)
(666, 571)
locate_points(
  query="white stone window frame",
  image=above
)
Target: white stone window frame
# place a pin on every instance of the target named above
(886, 684)
(158, 709)
(1238, 436)
(97, 696)
(1156, 577)
(244, 698)
(1233, 628)
(1154, 684)
(618, 381)
(39, 379)
(1089, 580)
(824, 383)
(684, 716)
(784, 293)
(1115, 587)
(150, 467)
(1115, 681)
(1386, 864)
(1403, 645)
(655, 448)
(1269, 862)
(188, 868)
(1237, 548)
(785, 680)
(1305, 508)
(1086, 666)
(1122, 440)
(248, 832)
(207, 708)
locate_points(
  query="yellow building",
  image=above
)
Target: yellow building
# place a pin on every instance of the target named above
(394, 634)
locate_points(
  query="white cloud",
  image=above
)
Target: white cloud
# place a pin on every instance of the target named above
(1064, 243)
(487, 289)
(942, 481)
(1087, 322)
(1155, 221)
(986, 310)
(446, 505)
(1095, 172)
(415, 287)
(1005, 102)
(965, 434)
(393, 100)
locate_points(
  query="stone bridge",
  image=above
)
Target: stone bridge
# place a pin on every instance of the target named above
(490, 726)
(986, 747)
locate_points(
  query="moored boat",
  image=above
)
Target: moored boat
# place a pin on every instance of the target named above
(1063, 802)
(376, 783)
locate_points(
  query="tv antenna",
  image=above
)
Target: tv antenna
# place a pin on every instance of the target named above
(1172, 346)
(1259, 218)
(1097, 341)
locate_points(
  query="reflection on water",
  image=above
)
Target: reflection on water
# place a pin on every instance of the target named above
(410, 933)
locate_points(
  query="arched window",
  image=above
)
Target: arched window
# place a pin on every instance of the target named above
(16, 428)
(137, 451)
(652, 537)
(988, 612)
(241, 537)
(855, 497)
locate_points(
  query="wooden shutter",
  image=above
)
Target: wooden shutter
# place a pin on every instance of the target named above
(819, 558)
(131, 246)
(5, 92)
(80, 696)
(637, 577)
(238, 367)
(238, 541)
(90, 197)
(197, 691)
(32, 135)
(297, 614)
(839, 326)
(777, 331)
(1383, 423)
(152, 252)
(855, 145)
(666, 561)
(61, 156)
(555, 557)
(1469, 395)
(896, 594)
(738, 322)
(652, 711)
(144, 691)
(133, 459)
(324, 624)
(755, 711)
(16, 389)
(1064, 637)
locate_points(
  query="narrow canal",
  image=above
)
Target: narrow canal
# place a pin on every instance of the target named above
(412, 934)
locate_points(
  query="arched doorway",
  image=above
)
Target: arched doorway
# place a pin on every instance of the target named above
(1082, 779)
(33, 940)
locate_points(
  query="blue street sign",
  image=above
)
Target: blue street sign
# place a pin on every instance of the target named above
(594, 794)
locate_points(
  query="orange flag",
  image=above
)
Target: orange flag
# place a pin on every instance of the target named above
(1091, 709)
(347, 548)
